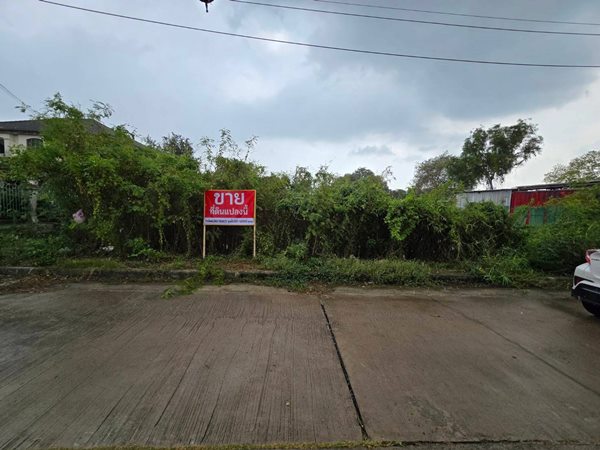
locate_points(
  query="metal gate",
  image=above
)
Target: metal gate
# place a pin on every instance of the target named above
(14, 201)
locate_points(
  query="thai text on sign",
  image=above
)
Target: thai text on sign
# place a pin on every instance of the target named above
(224, 207)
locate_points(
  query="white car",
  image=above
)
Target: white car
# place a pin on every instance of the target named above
(586, 282)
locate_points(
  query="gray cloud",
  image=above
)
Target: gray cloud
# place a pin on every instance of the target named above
(372, 150)
(161, 80)
(466, 90)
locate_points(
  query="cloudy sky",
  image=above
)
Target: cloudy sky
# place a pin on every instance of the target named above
(314, 107)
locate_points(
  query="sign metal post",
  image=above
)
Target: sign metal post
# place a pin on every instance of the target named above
(203, 241)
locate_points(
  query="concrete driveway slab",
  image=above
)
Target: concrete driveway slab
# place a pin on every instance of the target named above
(470, 365)
(92, 365)
(548, 325)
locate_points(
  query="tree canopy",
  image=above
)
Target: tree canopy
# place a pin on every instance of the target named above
(432, 173)
(177, 145)
(488, 155)
(582, 168)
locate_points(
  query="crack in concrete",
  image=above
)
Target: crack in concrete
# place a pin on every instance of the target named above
(359, 417)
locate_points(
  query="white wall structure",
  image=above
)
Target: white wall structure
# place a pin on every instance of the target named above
(18, 133)
(500, 197)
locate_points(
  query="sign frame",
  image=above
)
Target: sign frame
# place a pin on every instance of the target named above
(204, 224)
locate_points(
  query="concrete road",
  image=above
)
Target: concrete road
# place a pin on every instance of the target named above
(462, 365)
(91, 365)
(94, 365)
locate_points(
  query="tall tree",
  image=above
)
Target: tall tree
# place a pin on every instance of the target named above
(177, 145)
(432, 173)
(363, 173)
(583, 168)
(488, 155)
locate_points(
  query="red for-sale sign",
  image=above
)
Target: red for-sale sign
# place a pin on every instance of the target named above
(223, 207)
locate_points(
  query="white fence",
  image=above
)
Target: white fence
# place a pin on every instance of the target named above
(17, 202)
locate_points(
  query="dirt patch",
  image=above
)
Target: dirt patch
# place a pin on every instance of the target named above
(29, 284)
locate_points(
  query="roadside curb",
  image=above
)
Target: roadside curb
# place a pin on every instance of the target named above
(133, 274)
(157, 275)
(129, 274)
(455, 278)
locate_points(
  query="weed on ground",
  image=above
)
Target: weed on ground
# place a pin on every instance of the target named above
(207, 271)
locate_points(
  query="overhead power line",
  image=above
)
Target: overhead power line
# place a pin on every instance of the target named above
(419, 21)
(324, 47)
(447, 13)
(23, 105)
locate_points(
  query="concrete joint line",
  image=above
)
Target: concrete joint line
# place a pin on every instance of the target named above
(359, 418)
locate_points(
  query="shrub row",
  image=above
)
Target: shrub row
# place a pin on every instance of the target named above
(144, 201)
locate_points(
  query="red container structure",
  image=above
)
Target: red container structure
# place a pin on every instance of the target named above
(535, 198)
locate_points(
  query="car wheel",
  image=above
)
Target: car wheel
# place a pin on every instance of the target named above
(591, 307)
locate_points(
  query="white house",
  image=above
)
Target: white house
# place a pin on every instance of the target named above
(27, 133)
(19, 132)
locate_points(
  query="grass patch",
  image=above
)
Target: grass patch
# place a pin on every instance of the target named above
(43, 246)
(30, 246)
(335, 271)
(510, 269)
(90, 263)
(207, 271)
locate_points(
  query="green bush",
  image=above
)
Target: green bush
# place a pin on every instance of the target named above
(335, 216)
(298, 251)
(431, 227)
(139, 249)
(126, 190)
(424, 226)
(25, 247)
(146, 201)
(560, 246)
(485, 228)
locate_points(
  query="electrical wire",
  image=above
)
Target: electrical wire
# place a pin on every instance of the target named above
(324, 47)
(419, 21)
(447, 13)
(11, 94)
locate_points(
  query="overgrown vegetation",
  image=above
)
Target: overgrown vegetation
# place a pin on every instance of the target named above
(431, 227)
(206, 271)
(335, 271)
(143, 204)
(508, 268)
(558, 247)
(30, 246)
